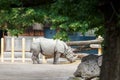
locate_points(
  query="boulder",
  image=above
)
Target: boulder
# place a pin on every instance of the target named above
(89, 67)
(79, 78)
(75, 78)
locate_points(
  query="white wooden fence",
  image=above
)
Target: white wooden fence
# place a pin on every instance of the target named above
(12, 50)
(23, 48)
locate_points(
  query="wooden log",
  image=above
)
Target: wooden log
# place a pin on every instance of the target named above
(95, 45)
(78, 43)
(83, 49)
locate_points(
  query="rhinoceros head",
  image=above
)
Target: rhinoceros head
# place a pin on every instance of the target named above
(70, 55)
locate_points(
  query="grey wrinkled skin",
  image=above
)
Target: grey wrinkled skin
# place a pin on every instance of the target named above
(50, 47)
(89, 67)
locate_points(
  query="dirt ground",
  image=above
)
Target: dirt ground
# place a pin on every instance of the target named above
(29, 71)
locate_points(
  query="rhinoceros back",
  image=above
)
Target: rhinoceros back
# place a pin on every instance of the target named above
(48, 46)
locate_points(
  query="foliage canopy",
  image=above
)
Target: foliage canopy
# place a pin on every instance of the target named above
(68, 16)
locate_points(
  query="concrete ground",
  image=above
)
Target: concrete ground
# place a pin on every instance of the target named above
(29, 71)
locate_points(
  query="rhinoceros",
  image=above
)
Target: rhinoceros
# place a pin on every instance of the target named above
(51, 47)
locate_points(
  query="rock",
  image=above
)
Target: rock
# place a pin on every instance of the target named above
(79, 78)
(96, 78)
(100, 60)
(89, 67)
(76, 78)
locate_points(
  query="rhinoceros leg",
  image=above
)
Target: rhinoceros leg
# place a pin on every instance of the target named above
(56, 57)
(35, 58)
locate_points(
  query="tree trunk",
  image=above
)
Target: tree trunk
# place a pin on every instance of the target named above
(111, 58)
(110, 69)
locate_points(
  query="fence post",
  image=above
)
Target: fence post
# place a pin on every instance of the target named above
(99, 51)
(33, 39)
(23, 49)
(2, 50)
(12, 50)
(43, 59)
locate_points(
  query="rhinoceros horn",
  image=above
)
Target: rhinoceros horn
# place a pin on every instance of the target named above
(72, 58)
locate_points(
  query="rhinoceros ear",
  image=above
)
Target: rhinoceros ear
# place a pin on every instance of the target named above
(100, 58)
(71, 49)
